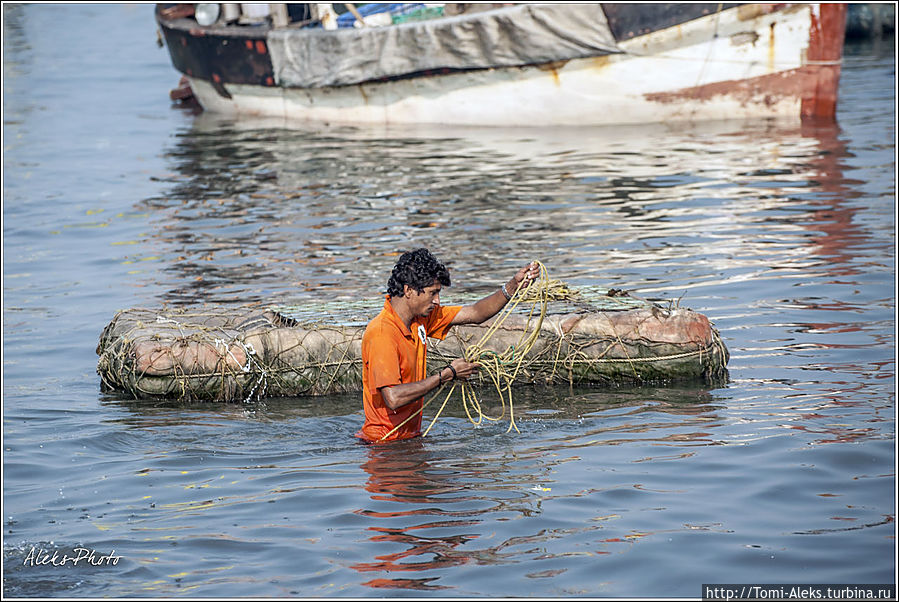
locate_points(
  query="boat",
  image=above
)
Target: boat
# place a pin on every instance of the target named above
(509, 65)
(250, 353)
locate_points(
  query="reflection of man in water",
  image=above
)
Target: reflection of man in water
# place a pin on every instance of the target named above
(394, 346)
(410, 501)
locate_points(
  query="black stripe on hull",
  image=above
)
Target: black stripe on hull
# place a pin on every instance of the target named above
(631, 20)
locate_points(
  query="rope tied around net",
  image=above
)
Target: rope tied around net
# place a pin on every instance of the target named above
(501, 368)
(244, 354)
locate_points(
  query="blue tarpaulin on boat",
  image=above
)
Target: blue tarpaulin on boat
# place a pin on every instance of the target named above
(348, 19)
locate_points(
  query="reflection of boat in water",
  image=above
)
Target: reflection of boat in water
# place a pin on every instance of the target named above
(310, 193)
(527, 64)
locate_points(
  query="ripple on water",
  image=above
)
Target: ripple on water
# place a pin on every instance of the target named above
(782, 235)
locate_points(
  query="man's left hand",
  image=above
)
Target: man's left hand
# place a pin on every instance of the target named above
(526, 275)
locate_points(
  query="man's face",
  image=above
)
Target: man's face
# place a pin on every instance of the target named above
(423, 303)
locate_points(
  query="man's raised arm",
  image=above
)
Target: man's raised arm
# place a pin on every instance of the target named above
(490, 305)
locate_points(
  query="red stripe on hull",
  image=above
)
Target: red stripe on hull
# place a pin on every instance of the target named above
(825, 50)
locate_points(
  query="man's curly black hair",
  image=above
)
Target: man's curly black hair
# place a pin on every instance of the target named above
(418, 269)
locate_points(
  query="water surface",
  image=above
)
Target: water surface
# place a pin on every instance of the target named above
(783, 235)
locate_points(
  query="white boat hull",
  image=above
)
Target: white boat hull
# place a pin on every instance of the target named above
(750, 62)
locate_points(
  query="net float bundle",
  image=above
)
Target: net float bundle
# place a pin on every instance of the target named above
(242, 354)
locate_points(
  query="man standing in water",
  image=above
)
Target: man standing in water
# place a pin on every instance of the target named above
(394, 346)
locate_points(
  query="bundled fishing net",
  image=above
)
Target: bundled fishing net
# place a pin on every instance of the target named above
(238, 354)
(225, 354)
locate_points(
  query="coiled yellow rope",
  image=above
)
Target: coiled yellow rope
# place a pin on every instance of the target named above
(502, 368)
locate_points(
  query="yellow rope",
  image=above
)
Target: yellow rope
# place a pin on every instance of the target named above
(422, 409)
(502, 368)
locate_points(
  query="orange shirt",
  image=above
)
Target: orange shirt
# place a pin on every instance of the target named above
(393, 354)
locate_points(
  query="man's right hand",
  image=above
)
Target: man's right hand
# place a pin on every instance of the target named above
(464, 369)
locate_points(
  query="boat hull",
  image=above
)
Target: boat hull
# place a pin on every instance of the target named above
(750, 61)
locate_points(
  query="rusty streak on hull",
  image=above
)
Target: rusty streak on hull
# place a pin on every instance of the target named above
(776, 86)
(815, 83)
